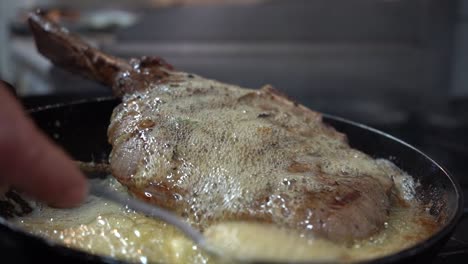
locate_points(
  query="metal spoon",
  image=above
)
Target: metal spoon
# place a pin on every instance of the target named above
(102, 171)
(101, 190)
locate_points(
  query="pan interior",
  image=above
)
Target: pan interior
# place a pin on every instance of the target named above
(82, 129)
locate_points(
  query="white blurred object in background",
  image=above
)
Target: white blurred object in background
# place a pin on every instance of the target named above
(8, 9)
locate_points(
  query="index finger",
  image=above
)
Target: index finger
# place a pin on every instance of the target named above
(31, 162)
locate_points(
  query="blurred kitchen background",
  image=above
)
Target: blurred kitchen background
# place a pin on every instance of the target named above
(398, 65)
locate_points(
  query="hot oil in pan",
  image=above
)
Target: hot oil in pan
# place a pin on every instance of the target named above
(106, 229)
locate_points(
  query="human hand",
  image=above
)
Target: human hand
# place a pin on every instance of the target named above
(30, 162)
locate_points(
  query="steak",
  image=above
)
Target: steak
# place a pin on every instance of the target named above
(215, 152)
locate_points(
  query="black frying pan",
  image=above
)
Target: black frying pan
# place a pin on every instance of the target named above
(81, 128)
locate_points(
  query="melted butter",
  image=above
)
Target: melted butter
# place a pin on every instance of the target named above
(253, 241)
(247, 241)
(103, 228)
(107, 229)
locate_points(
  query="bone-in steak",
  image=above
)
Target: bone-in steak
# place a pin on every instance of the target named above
(216, 152)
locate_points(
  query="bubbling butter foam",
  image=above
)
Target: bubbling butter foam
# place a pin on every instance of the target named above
(103, 228)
